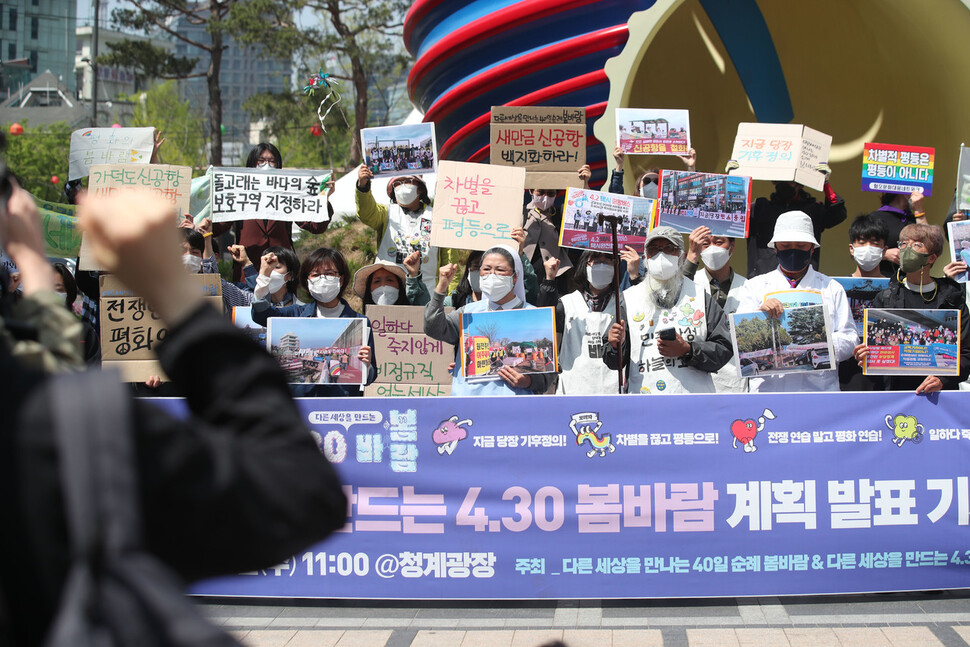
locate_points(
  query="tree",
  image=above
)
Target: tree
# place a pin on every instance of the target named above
(806, 325)
(488, 328)
(183, 127)
(37, 155)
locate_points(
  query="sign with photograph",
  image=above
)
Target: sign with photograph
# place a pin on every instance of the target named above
(781, 152)
(242, 317)
(653, 131)
(400, 150)
(581, 229)
(798, 341)
(318, 350)
(887, 168)
(688, 200)
(267, 193)
(476, 205)
(94, 146)
(912, 342)
(959, 234)
(861, 290)
(523, 339)
(963, 180)
(550, 143)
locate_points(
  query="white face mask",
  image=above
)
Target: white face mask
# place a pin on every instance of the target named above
(386, 295)
(276, 281)
(715, 257)
(474, 280)
(543, 202)
(405, 194)
(867, 256)
(599, 275)
(496, 286)
(192, 263)
(662, 266)
(265, 164)
(324, 288)
(648, 190)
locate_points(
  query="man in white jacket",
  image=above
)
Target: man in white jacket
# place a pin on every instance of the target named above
(793, 242)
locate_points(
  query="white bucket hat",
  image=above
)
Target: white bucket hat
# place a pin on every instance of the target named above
(793, 227)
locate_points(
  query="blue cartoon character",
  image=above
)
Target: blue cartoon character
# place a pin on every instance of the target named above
(582, 426)
(692, 316)
(904, 428)
(448, 432)
(746, 430)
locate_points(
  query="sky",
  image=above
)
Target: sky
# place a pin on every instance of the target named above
(517, 325)
(314, 332)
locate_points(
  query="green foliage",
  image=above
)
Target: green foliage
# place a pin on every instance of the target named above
(806, 325)
(756, 334)
(38, 154)
(148, 61)
(183, 128)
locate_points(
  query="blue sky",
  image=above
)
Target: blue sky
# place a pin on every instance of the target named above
(517, 325)
(314, 332)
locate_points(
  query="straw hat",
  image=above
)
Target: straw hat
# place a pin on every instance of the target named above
(363, 274)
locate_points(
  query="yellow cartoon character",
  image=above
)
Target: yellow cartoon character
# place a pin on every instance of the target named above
(904, 428)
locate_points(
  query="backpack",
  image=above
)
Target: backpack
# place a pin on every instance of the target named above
(116, 593)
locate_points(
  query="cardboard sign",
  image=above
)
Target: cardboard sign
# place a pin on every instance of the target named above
(887, 168)
(550, 143)
(172, 183)
(400, 150)
(62, 238)
(130, 331)
(318, 350)
(273, 194)
(580, 221)
(963, 180)
(524, 339)
(395, 390)
(405, 355)
(476, 205)
(93, 146)
(781, 152)
(653, 131)
(720, 202)
(912, 342)
(800, 341)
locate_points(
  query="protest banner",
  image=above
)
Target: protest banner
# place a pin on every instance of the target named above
(800, 340)
(963, 179)
(130, 330)
(688, 200)
(62, 238)
(400, 150)
(476, 205)
(550, 143)
(781, 152)
(98, 146)
(653, 131)
(266, 193)
(405, 355)
(171, 183)
(912, 342)
(959, 235)
(860, 290)
(451, 498)
(887, 168)
(524, 339)
(580, 227)
(318, 350)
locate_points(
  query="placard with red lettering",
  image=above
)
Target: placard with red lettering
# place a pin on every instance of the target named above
(476, 206)
(887, 168)
(906, 341)
(581, 228)
(688, 199)
(653, 131)
(549, 142)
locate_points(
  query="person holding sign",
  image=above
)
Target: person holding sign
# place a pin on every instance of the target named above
(502, 289)
(257, 235)
(793, 243)
(679, 333)
(897, 211)
(914, 288)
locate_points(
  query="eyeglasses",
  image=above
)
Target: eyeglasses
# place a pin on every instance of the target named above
(328, 274)
(915, 244)
(400, 182)
(669, 248)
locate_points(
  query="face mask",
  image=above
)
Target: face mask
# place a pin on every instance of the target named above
(543, 202)
(405, 194)
(715, 257)
(496, 286)
(192, 263)
(324, 288)
(793, 260)
(785, 192)
(474, 280)
(599, 275)
(648, 190)
(263, 164)
(386, 295)
(662, 266)
(867, 256)
(911, 261)
(276, 281)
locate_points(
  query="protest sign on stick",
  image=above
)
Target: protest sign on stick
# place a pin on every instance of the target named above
(781, 152)
(92, 146)
(653, 131)
(887, 168)
(476, 205)
(580, 225)
(274, 194)
(550, 143)
(400, 150)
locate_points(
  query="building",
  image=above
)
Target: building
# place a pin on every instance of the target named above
(42, 101)
(39, 34)
(289, 344)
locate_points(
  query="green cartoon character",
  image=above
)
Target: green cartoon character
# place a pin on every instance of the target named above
(904, 428)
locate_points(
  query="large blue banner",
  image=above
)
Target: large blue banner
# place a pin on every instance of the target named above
(624, 496)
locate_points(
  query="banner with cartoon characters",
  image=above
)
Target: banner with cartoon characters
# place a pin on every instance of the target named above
(627, 497)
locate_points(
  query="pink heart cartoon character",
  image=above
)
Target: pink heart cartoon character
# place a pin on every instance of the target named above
(746, 430)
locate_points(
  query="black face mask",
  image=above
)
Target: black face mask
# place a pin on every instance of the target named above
(785, 192)
(793, 260)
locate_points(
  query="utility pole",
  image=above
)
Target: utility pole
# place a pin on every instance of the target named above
(94, 64)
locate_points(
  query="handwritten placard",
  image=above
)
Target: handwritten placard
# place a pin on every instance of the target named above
(62, 238)
(550, 143)
(781, 152)
(273, 194)
(405, 355)
(653, 131)
(887, 168)
(476, 205)
(92, 146)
